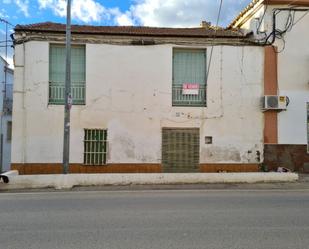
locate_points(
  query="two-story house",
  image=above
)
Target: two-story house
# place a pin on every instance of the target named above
(149, 99)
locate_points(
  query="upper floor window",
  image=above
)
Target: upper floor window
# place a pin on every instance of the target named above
(189, 77)
(57, 56)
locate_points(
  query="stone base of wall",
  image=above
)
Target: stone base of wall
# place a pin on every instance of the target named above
(56, 168)
(293, 157)
(215, 168)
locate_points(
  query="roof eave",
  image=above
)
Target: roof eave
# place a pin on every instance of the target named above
(240, 36)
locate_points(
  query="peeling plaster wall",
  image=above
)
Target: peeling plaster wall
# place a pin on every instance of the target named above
(128, 91)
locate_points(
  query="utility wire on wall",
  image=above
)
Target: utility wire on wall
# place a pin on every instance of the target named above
(277, 33)
(212, 47)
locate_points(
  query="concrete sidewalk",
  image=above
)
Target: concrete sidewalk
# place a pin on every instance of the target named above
(84, 180)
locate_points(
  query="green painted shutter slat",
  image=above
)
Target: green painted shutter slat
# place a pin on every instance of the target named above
(57, 74)
(180, 149)
(189, 66)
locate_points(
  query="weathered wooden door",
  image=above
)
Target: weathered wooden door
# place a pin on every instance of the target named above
(180, 149)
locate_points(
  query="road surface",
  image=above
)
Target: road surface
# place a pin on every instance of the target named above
(214, 219)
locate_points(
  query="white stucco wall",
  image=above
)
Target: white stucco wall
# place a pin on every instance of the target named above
(293, 81)
(128, 91)
(293, 72)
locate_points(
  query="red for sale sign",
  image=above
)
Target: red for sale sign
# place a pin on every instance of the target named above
(190, 88)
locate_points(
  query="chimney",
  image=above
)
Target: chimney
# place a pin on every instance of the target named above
(205, 24)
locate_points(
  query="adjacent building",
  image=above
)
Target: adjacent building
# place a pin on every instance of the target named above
(149, 99)
(6, 102)
(284, 24)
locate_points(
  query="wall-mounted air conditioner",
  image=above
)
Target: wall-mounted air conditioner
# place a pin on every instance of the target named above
(274, 102)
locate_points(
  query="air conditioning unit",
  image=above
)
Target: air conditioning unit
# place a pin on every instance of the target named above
(274, 102)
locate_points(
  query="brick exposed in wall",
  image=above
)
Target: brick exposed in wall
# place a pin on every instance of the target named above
(294, 157)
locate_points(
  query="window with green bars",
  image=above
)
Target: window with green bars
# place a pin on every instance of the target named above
(189, 71)
(57, 74)
(95, 146)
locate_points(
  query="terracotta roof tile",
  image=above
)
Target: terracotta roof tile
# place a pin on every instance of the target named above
(254, 3)
(132, 30)
(250, 6)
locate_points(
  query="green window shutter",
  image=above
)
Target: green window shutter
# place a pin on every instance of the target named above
(189, 66)
(57, 74)
(180, 149)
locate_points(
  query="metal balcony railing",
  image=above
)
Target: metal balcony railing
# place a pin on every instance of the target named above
(56, 93)
(180, 99)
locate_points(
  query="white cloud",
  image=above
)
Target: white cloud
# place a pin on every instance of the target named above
(23, 6)
(83, 10)
(183, 13)
(3, 14)
(120, 18)
(88, 10)
(170, 13)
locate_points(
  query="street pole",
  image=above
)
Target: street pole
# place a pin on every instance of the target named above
(68, 96)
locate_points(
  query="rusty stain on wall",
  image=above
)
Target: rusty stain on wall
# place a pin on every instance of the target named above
(270, 88)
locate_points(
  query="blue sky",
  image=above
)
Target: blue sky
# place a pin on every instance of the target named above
(163, 13)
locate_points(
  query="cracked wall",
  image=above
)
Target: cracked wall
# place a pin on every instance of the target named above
(128, 91)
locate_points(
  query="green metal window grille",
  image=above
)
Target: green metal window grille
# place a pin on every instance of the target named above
(180, 149)
(95, 146)
(57, 74)
(189, 66)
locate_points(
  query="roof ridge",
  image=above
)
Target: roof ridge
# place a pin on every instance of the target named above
(211, 31)
(116, 26)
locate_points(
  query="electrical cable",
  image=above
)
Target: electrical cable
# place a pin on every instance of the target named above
(5, 21)
(261, 20)
(299, 19)
(290, 22)
(212, 47)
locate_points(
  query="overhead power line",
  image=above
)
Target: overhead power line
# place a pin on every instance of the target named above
(7, 22)
(212, 47)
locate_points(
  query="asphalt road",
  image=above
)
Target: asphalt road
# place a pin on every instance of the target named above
(223, 219)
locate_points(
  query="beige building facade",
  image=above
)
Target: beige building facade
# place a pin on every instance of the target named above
(154, 99)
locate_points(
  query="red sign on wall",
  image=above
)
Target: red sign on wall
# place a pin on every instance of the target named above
(190, 88)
